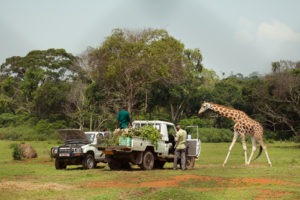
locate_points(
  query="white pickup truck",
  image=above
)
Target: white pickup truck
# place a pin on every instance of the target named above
(78, 149)
(141, 152)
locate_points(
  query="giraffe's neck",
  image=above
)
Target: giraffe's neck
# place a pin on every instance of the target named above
(227, 112)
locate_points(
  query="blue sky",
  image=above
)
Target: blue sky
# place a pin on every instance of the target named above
(234, 36)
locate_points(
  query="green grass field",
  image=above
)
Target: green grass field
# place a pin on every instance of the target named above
(38, 179)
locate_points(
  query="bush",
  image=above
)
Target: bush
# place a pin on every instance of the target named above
(17, 151)
(29, 132)
(205, 123)
(215, 135)
(296, 138)
(46, 129)
(17, 133)
(7, 119)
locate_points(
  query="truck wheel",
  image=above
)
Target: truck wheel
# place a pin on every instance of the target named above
(89, 162)
(190, 162)
(60, 164)
(148, 161)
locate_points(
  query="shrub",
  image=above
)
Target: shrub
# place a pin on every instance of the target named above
(29, 132)
(17, 151)
(205, 123)
(7, 119)
(215, 135)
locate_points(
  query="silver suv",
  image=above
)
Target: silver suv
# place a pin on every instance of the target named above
(79, 149)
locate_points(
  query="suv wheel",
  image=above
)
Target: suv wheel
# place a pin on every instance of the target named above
(89, 162)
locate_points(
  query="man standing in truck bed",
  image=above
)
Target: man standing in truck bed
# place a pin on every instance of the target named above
(180, 147)
(123, 118)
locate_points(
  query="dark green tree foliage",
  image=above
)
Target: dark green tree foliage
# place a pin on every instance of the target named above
(37, 82)
(278, 99)
(50, 98)
(8, 94)
(134, 67)
(56, 63)
(149, 70)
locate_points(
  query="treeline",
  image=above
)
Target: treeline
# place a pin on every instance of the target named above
(150, 71)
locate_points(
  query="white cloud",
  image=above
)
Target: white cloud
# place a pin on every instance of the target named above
(277, 31)
(267, 31)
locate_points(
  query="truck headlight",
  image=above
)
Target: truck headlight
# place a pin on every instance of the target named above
(54, 150)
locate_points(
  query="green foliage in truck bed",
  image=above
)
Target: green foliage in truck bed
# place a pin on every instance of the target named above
(145, 132)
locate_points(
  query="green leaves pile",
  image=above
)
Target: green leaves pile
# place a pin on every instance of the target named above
(148, 132)
(145, 132)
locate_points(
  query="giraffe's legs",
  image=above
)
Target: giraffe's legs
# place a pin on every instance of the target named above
(266, 152)
(267, 155)
(244, 147)
(253, 149)
(235, 136)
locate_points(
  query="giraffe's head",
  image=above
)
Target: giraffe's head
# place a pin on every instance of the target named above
(204, 107)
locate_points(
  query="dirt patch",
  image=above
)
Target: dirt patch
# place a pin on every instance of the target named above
(177, 180)
(188, 181)
(204, 183)
(23, 185)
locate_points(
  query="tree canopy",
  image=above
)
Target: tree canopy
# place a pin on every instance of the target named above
(153, 73)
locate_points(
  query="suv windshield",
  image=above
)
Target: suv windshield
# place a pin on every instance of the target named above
(90, 137)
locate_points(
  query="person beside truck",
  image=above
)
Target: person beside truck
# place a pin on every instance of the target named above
(180, 148)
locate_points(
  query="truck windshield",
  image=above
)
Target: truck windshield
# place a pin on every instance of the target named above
(90, 137)
(171, 130)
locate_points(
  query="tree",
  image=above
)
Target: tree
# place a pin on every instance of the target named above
(37, 71)
(8, 95)
(278, 98)
(50, 98)
(129, 63)
(56, 64)
(76, 106)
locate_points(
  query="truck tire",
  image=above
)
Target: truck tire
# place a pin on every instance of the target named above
(60, 164)
(148, 161)
(190, 162)
(89, 162)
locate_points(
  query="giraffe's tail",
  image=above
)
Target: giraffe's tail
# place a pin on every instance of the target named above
(259, 153)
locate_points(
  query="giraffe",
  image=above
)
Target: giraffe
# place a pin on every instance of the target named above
(243, 125)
